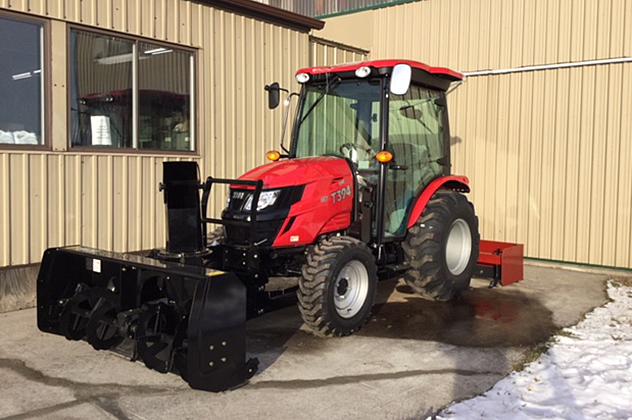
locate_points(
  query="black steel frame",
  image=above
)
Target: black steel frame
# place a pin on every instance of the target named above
(252, 224)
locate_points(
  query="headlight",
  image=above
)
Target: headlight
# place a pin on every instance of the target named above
(363, 71)
(302, 78)
(266, 199)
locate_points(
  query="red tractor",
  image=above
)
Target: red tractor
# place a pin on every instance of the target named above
(363, 192)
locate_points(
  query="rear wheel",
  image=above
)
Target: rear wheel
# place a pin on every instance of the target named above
(337, 286)
(442, 247)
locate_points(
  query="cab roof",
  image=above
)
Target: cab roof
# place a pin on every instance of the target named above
(442, 72)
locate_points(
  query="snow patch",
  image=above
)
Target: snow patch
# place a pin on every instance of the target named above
(587, 373)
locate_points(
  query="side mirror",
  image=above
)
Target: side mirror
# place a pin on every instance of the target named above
(400, 80)
(274, 95)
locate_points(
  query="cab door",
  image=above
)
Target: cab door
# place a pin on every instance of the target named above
(416, 138)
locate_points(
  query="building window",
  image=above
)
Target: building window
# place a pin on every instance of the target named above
(130, 94)
(21, 82)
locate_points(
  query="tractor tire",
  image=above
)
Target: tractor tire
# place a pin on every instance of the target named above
(442, 247)
(337, 286)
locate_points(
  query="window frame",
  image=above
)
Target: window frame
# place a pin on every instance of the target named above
(46, 88)
(194, 79)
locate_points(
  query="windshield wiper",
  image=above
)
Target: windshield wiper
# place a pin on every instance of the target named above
(320, 98)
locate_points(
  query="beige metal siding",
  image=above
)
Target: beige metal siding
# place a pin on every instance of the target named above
(489, 34)
(111, 201)
(548, 160)
(548, 152)
(326, 53)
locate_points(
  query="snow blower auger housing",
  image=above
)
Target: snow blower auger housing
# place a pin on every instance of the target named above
(363, 192)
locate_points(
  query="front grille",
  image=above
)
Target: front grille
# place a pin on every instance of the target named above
(267, 230)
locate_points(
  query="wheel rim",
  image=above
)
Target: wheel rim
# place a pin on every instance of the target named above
(459, 247)
(351, 289)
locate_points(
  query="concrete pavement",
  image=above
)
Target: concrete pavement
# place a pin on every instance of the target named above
(412, 358)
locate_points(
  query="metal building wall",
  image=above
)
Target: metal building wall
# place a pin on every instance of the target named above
(548, 151)
(471, 35)
(325, 52)
(110, 200)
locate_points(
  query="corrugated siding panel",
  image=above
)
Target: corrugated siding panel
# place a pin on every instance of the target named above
(109, 202)
(167, 20)
(112, 201)
(324, 53)
(548, 152)
(474, 35)
(555, 173)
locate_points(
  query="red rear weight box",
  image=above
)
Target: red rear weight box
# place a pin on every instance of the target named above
(503, 262)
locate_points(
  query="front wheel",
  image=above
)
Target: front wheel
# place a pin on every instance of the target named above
(337, 286)
(442, 247)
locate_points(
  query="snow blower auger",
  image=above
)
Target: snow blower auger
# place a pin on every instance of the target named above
(363, 192)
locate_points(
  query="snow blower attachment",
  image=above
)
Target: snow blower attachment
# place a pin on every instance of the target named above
(182, 318)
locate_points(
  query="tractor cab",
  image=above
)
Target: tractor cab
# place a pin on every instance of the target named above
(355, 111)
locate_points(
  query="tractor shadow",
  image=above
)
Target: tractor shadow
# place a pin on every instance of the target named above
(268, 335)
(481, 317)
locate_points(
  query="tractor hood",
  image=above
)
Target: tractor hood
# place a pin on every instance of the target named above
(300, 171)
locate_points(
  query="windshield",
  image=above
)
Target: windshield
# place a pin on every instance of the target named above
(340, 118)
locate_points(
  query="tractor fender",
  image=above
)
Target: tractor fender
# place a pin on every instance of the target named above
(451, 182)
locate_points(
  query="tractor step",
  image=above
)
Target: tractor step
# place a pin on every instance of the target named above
(502, 262)
(184, 319)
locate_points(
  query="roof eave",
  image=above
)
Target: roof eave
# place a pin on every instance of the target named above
(268, 13)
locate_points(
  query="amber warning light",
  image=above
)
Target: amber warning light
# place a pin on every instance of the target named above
(273, 155)
(384, 156)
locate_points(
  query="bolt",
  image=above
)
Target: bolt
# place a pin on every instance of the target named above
(211, 363)
(212, 348)
(256, 256)
(223, 359)
(224, 343)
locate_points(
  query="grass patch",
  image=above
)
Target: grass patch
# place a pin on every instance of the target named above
(621, 282)
(537, 350)
(531, 355)
(565, 333)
